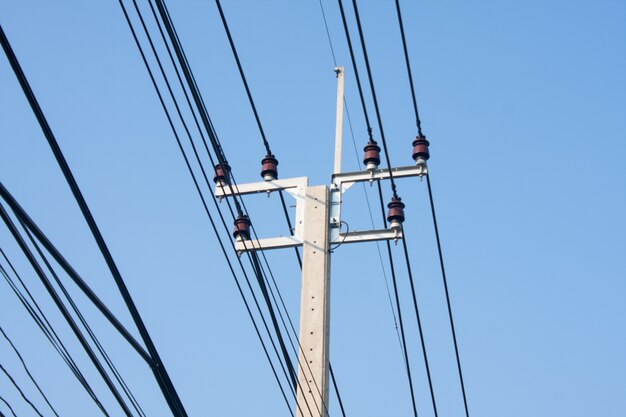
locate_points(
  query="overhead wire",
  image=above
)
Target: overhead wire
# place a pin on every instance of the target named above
(26, 220)
(445, 285)
(178, 110)
(30, 375)
(19, 389)
(373, 92)
(63, 309)
(382, 205)
(8, 406)
(178, 49)
(418, 122)
(432, 207)
(267, 147)
(393, 187)
(198, 189)
(367, 199)
(158, 367)
(256, 113)
(48, 331)
(117, 375)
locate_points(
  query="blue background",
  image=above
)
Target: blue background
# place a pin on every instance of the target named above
(524, 105)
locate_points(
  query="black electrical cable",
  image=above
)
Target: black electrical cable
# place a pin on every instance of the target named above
(397, 298)
(254, 110)
(256, 269)
(243, 78)
(380, 194)
(367, 200)
(445, 286)
(8, 406)
(373, 91)
(332, 50)
(118, 377)
(432, 206)
(175, 102)
(19, 355)
(195, 92)
(20, 390)
(281, 342)
(48, 331)
(266, 144)
(197, 186)
(158, 367)
(393, 186)
(356, 70)
(274, 322)
(419, 323)
(59, 303)
(24, 218)
(259, 278)
(408, 69)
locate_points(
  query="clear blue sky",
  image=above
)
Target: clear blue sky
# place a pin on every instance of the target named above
(524, 104)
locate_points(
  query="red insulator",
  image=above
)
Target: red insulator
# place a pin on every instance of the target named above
(220, 173)
(269, 170)
(242, 228)
(420, 149)
(371, 159)
(395, 216)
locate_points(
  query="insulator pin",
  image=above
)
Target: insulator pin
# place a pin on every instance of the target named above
(420, 151)
(269, 168)
(395, 216)
(242, 228)
(371, 158)
(220, 173)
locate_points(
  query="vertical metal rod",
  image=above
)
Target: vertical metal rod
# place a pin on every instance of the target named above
(315, 303)
(339, 126)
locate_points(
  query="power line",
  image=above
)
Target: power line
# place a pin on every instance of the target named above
(48, 331)
(118, 377)
(197, 187)
(269, 153)
(432, 206)
(59, 303)
(419, 324)
(408, 69)
(158, 367)
(373, 91)
(19, 355)
(175, 103)
(254, 110)
(217, 148)
(445, 286)
(243, 77)
(382, 206)
(393, 187)
(260, 274)
(367, 200)
(8, 406)
(26, 220)
(20, 390)
(397, 298)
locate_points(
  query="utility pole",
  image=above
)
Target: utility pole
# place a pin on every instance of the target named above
(318, 227)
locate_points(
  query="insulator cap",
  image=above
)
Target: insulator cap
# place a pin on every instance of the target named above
(220, 173)
(420, 148)
(395, 216)
(242, 228)
(269, 170)
(371, 158)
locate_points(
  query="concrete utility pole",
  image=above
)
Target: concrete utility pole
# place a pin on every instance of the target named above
(318, 226)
